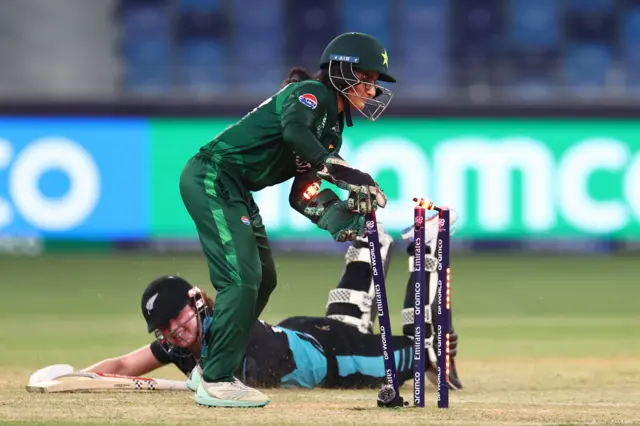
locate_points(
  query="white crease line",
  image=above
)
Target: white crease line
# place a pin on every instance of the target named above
(552, 404)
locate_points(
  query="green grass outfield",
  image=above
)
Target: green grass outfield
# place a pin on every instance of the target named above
(543, 340)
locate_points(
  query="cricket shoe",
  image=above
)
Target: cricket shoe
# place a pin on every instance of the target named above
(229, 394)
(194, 378)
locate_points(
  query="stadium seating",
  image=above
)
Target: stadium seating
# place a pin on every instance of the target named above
(526, 49)
(423, 48)
(146, 45)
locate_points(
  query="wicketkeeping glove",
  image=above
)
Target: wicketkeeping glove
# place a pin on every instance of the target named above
(365, 202)
(335, 216)
(365, 195)
(342, 223)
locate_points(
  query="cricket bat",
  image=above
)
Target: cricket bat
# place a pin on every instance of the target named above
(81, 381)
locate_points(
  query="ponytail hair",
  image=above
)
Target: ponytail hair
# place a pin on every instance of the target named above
(295, 75)
(205, 297)
(298, 74)
(208, 300)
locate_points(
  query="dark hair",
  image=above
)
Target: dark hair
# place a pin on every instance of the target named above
(300, 74)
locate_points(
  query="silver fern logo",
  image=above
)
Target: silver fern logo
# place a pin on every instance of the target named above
(151, 302)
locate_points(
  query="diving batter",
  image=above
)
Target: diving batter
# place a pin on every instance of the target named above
(338, 350)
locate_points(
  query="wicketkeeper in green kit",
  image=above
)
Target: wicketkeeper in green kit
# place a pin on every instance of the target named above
(295, 133)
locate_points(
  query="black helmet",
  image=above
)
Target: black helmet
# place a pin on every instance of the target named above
(358, 51)
(163, 299)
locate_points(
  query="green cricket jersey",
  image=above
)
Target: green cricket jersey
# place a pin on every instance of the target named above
(288, 134)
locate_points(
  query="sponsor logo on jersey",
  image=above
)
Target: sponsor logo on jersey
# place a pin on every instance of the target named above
(245, 220)
(320, 127)
(308, 100)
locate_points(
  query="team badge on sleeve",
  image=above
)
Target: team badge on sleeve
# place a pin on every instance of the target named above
(245, 220)
(308, 100)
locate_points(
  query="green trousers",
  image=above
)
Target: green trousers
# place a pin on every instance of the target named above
(241, 267)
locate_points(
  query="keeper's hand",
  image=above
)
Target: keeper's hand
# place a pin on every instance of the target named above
(365, 196)
(366, 201)
(337, 218)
